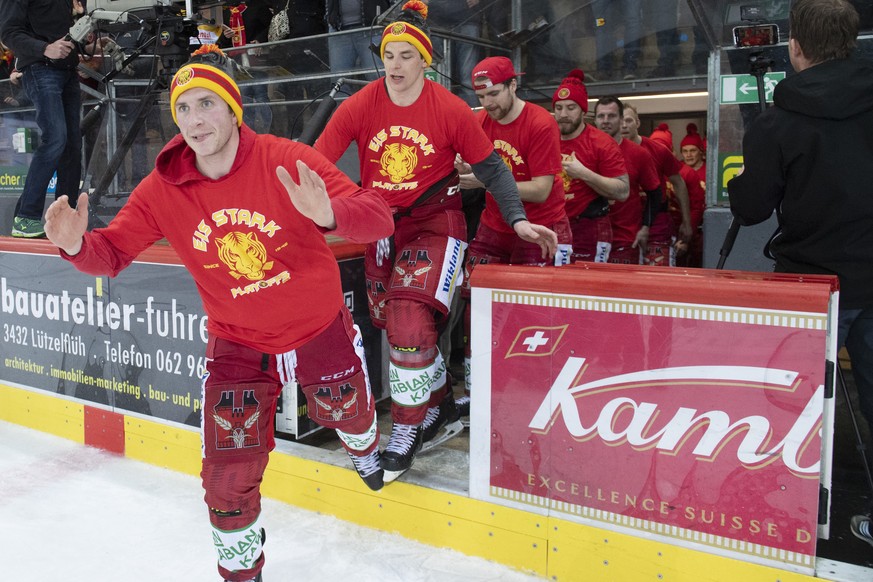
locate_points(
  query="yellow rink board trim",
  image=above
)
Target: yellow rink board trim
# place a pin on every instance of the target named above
(610, 556)
(554, 548)
(163, 445)
(43, 412)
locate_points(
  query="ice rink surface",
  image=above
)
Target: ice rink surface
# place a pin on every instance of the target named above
(72, 513)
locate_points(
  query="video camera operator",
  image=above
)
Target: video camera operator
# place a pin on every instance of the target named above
(35, 30)
(808, 158)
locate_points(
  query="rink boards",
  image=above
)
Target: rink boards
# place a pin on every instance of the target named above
(546, 545)
(528, 532)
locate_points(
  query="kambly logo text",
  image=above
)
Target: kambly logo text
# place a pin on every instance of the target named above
(646, 425)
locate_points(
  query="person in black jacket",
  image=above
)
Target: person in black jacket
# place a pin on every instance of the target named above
(808, 158)
(35, 31)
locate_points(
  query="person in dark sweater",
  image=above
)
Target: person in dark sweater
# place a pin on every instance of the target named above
(35, 30)
(808, 158)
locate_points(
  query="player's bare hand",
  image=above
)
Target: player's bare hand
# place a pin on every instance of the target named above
(66, 226)
(538, 234)
(309, 197)
(461, 166)
(685, 232)
(573, 167)
(641, 241)
(470, 181)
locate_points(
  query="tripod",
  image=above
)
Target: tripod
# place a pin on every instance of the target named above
(169, 41)
(758, 67)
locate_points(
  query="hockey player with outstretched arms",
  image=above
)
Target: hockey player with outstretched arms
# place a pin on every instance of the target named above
(247, 215)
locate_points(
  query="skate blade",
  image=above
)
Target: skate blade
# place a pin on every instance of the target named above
(447, 432)
(390, 476)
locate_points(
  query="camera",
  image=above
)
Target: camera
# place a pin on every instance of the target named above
(758, 34)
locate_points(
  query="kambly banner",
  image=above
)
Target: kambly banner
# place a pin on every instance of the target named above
(697, 423)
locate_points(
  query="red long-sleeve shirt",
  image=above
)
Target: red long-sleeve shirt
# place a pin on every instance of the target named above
(265, 273)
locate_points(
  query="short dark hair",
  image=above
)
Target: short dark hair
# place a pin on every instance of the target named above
(607, 100)
(825, 29)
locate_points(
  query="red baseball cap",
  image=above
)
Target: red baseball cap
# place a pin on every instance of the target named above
(495, 70)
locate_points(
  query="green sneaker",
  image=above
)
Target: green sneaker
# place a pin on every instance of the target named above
(27, 228)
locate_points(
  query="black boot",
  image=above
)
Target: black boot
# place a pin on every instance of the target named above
(404, 442)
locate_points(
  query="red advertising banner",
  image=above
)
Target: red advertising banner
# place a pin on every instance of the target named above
(697, 423)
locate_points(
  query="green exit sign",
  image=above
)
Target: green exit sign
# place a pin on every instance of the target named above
(738, 89)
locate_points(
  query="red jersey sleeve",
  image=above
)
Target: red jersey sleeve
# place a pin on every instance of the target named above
(648, 176)
(340, 130)
(470, 139)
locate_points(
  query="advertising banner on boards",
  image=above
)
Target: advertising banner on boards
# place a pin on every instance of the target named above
(135, 343)
(696, 423)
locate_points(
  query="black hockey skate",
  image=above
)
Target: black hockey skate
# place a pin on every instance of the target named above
(441, 423)
(404, 442)
(463, 406)
(369, 469)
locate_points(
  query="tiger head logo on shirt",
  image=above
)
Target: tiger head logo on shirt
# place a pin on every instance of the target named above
(398, 162)
(244, 255)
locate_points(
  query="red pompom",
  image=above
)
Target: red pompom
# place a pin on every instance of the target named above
(577, 74)
(417, 6)
(691, 128)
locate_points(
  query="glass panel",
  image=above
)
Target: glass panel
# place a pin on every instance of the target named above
(611, 40)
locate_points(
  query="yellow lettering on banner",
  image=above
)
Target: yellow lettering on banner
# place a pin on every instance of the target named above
(10, 180)
(665, 508)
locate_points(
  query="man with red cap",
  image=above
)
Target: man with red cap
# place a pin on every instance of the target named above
(661, 249)
(693, 149)
(408, 131)
(594, 171)
(527, 140)
(255, 246)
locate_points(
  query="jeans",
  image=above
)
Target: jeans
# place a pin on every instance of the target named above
(855, 331)
(464, 58)
(605, 35)
(351, 52)
(57, 98)
(664, 20)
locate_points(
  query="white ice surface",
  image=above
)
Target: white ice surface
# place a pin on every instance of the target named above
(71, 513)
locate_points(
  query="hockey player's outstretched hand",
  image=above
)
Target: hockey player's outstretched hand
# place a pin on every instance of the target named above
(309, 196)
(66, 226)
(538, 234)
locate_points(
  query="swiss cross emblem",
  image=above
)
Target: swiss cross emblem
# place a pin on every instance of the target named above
(536, 341)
